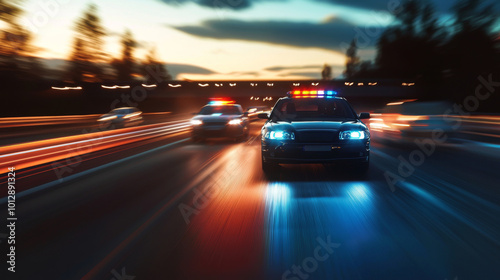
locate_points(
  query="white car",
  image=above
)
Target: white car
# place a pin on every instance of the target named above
(124, 116)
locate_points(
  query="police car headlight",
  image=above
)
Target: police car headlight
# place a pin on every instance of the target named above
(280, 135)
(352, 134)
(196, 122)
(235, 122)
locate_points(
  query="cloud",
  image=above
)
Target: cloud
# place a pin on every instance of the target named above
(216, 4)
(175, 69)
(247, 73)
(365, 4)
(442, 6)
(329, 35)
(308, 75)
(300, 67)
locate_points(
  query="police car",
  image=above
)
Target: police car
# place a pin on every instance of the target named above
(220, 118)
(314, 126)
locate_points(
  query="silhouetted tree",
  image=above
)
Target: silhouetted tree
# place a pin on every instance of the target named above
(125, 66)
(16, 49)
(326, 73)
(153, 69)
(472, 48)
(411, 48)
(87, 47)
(352, 60)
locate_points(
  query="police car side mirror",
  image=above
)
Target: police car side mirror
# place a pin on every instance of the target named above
(245, 114)
(264, 116)
(363, 116)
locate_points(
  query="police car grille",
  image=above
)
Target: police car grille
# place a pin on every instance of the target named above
(215, 123)
(317, 136)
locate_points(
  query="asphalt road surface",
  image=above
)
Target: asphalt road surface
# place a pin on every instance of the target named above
(173, 209)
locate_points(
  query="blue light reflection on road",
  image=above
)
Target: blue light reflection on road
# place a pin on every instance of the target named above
(297, 213)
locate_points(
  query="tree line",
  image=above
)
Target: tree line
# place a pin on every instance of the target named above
(87, 62)
(444, 57)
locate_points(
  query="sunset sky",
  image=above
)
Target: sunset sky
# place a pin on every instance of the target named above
(225, 39)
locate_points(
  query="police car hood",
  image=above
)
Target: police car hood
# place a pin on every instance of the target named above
(215, 117)
(317, 125)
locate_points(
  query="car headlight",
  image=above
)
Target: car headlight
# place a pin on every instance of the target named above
(107, 118)
(196, 122)
(280, 135)
(235, 122)
(352, 134)
(131, 115)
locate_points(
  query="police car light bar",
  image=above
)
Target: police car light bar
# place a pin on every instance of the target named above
(220, 101)
(312, 94)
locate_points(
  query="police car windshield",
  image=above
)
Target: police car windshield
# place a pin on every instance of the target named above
(314, 109)
(220, 110)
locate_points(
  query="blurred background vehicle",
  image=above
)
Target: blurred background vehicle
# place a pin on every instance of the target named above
(408, 120)
(122, 117)
(254, 111)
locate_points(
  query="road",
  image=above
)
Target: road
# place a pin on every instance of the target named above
(173, 209)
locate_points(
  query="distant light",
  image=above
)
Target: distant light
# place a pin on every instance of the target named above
(395, 103)
(270, 84)
(232, 84)
(108, 87)
(149, 86)
(67, 88)
(372, 84)
(361, 84)
(175, 86)
(123, 87)
(401, 124)
(253, 84)
(315, 84)
(251, 98)
(296, 84)
(203, 85)
(60, 88)
(219, 85)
